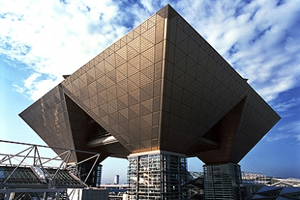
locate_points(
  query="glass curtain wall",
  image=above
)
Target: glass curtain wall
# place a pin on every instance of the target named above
(157, 176)
(222, 181)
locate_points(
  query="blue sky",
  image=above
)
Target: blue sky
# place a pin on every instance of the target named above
(42, 40)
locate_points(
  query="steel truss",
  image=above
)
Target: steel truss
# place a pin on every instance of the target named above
(46, 184)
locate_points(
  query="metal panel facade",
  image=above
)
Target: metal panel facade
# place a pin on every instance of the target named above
(160, 87)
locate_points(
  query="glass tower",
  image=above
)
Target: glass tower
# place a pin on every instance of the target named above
(157, 175)
(222, 181)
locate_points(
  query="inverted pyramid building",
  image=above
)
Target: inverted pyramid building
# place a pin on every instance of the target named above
(161, 88)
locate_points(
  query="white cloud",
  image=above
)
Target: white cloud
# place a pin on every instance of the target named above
(29, 82)
(41, 87)
(287, 131)
(259, 38)
(262, 34)
(286, 105)
(36, 86)
(53, 38)
(279, 136)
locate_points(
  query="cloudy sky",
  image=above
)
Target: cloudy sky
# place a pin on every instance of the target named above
(42, 40)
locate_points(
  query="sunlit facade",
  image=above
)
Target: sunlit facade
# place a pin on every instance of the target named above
(161, 87)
